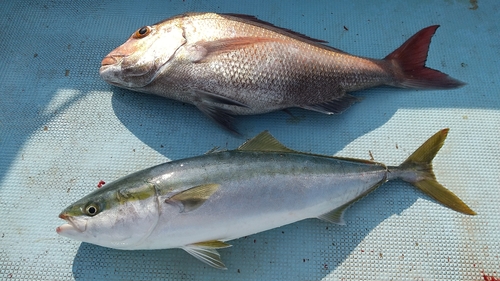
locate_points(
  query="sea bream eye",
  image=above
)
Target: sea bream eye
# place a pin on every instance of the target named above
(91, 210)
(142, 32)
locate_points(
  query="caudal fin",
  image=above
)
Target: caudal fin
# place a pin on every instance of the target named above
(417, 170)
(409, 61)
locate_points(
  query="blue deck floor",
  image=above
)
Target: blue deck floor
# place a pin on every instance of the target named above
(63, 129)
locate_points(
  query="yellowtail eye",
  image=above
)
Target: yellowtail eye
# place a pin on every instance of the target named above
(142, 32)
(92, 210)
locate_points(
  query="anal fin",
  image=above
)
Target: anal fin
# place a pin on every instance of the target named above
(334, 106)
(207, 252)
(335, 216)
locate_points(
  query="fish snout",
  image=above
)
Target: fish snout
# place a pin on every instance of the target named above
(63, 216)
(71, 224)
(65, 227)
(117, 55)
(108, 60)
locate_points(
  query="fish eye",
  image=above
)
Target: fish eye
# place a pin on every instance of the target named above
(142, 32)
(91, 210)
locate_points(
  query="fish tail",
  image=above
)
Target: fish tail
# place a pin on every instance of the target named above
(417, 170)
(409, 62)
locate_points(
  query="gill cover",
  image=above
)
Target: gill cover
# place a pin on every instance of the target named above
(140, 59)
(120, 215)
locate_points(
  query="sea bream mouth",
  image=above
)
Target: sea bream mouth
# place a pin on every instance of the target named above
(111, 66)
(71, 225)
(110, 60)
(130, 74)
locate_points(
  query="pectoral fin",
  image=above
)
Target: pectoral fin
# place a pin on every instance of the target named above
(220, 115)
(202, 51)
(207, 252)
(193, 198)
(205, 96)
(215, 106)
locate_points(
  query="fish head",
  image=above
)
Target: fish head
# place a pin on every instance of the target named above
(142, 57)
(119, 215)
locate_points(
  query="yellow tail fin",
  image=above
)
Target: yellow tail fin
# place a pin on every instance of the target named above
(417, 170)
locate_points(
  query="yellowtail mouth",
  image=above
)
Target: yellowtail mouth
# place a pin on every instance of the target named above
(65, 228)
(71, 225)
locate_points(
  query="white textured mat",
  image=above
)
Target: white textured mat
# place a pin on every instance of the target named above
(63, 129)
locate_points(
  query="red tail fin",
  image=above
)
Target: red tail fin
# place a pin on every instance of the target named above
(411, 57)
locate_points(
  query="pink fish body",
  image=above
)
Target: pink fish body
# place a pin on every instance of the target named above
(228, 64)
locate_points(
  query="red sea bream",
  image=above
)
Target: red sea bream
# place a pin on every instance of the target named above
(227, 64)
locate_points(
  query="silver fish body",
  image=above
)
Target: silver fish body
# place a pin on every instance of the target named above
(238, 65)
(283, 188)
(199, 203)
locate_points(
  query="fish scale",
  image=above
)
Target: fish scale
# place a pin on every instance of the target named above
(228, 65)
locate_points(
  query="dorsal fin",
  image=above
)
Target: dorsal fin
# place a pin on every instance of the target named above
(264, 142)
(248, 19)
(261, 23)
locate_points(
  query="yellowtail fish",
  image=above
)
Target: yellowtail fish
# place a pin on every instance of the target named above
(228, 64)
(198, 204)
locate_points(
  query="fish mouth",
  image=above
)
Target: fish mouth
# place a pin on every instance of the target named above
(111, 60)
(70, 225)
